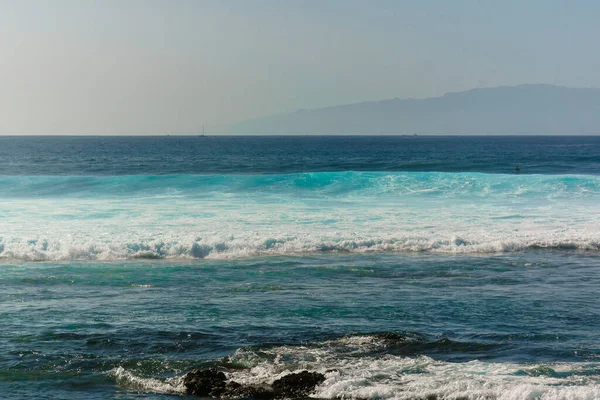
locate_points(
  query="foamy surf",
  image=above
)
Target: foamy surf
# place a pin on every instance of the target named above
(226, 217)
(359, 367)
(149, 385)
(243, 246)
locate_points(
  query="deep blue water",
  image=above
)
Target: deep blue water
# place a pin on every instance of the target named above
(44, 155)
(407, 267)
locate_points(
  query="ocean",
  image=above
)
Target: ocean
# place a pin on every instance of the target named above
(404, 267)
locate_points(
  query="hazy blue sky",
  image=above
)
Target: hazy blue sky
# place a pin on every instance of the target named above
(160, 66)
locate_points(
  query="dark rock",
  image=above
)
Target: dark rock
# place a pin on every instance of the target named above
(297, 385)
(232, 385)
(395, 338)
(205, 382)
(213, 383)
(234, 390)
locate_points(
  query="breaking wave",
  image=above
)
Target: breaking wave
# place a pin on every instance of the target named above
(236, 216)
(241, 247)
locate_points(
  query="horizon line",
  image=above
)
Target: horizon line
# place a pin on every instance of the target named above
(406, 135)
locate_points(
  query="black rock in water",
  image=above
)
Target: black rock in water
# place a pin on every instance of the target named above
(297, 385)
(205, 382)
(213, 383)
(234, 390)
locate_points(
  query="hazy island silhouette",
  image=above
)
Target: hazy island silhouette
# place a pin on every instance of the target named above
(529, 109)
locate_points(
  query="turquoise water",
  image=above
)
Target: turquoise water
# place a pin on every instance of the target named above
(400, 269)
(464, 324)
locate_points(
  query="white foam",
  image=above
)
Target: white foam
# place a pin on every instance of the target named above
(237, 227)
(151, 385)
(395, 377)
(245, 245)
(372, 378)
(351, 375)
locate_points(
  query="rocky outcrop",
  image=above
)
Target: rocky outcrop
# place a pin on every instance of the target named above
(205, 382)
(234, 390)
(298, 385)
(214, 383)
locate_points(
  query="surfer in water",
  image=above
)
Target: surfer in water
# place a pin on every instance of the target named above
(517, 169)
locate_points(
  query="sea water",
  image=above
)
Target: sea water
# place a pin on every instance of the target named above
(401, 267)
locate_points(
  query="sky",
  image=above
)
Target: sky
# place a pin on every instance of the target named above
(127, 67)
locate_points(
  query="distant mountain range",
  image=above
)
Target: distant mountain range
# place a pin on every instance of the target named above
(508, 110)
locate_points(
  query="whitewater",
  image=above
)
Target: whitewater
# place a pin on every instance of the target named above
(353, 371)
(232, 216)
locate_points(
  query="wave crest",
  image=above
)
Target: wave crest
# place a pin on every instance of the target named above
(66, 249)
(195, 217)
(328, 184)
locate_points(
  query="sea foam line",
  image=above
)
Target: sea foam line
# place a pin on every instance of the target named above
(243, 246)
